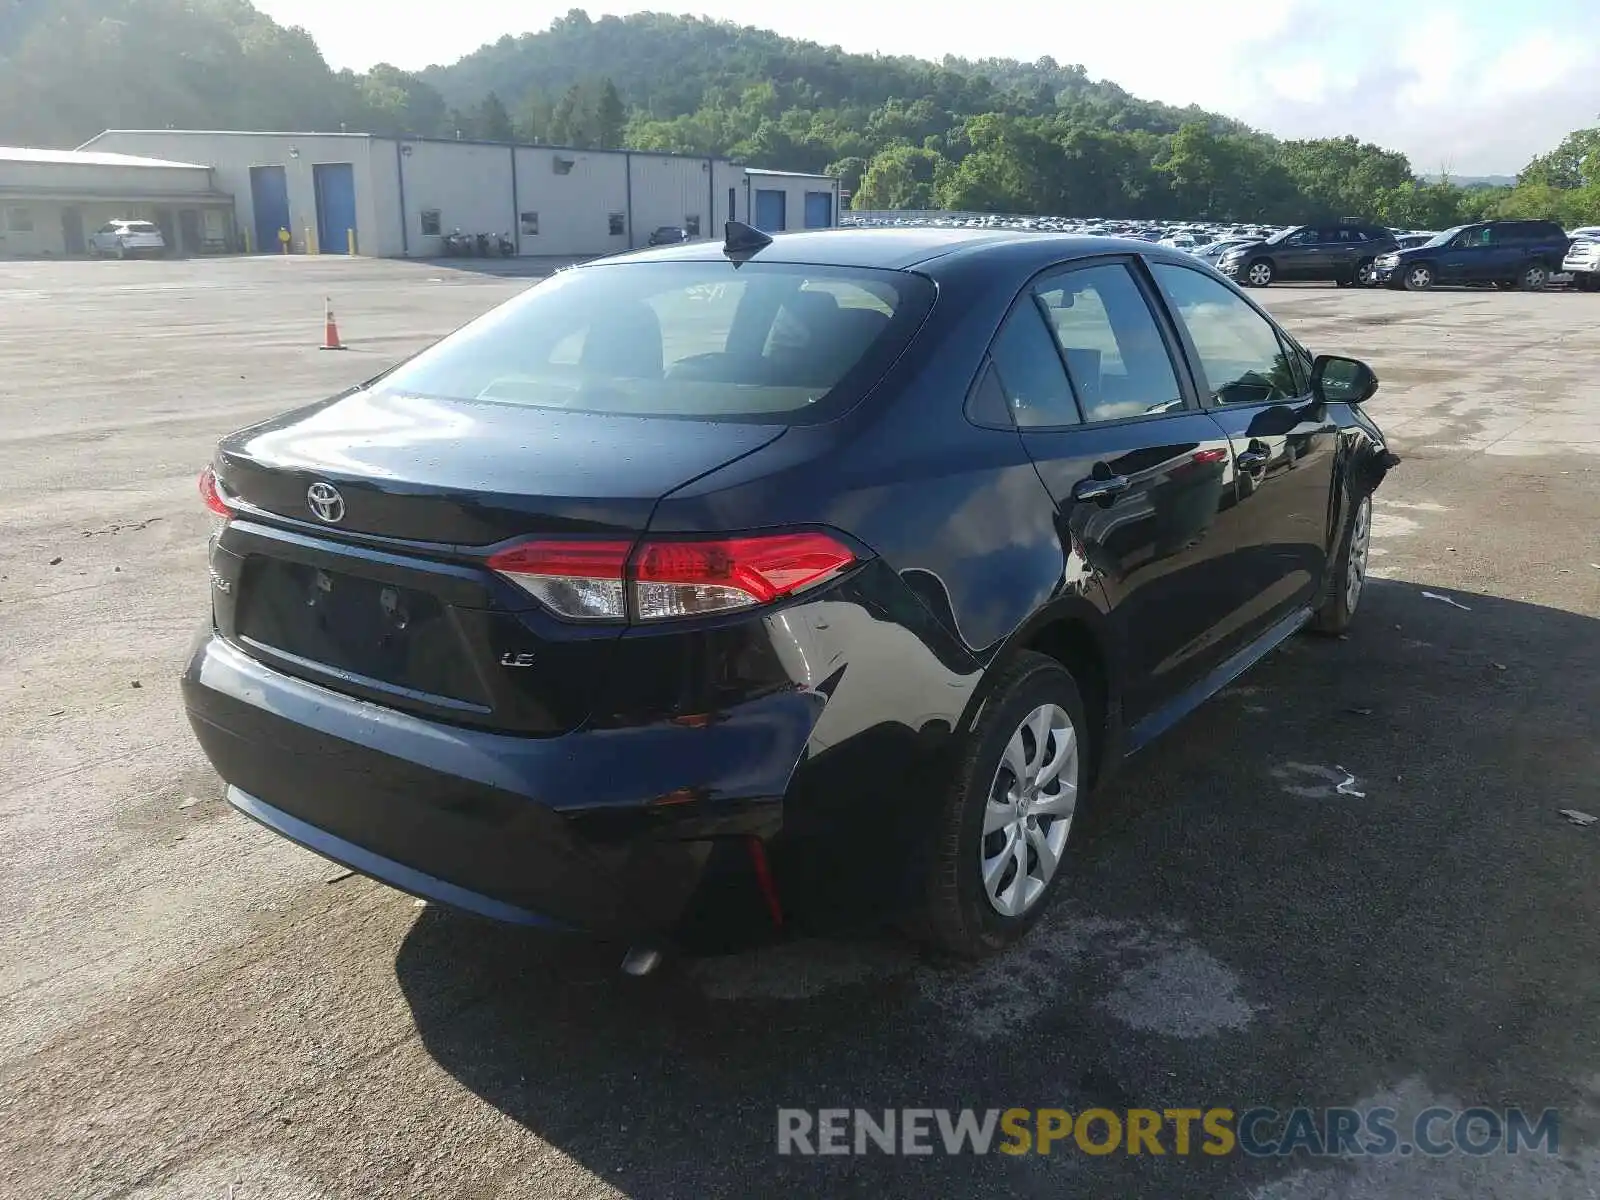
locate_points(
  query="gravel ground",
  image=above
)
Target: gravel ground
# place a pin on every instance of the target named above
(190, 1006)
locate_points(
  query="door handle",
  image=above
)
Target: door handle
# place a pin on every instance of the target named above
(1095, 488)
(1250, 460)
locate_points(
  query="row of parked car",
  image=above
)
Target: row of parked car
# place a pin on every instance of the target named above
(1508, 254)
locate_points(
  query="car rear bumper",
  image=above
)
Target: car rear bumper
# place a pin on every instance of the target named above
(605, 831)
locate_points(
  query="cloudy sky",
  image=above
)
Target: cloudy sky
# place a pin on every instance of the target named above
(1469, 86)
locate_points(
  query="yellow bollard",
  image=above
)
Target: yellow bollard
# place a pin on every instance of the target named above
(311, 243)
(284, 239)
(350, 240)
(247, 247)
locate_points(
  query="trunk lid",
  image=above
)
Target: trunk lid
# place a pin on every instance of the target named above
(469, 473)
(386, 596)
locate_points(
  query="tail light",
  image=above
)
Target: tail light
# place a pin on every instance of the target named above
(663, 579)
(211, 494)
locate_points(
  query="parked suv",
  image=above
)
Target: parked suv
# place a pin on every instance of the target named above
(124, 238)
(1343, 252)
(1505, 253)
(1583, 259)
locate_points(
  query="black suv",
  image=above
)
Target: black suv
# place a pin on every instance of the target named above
(1505, 253)
(1343, 252)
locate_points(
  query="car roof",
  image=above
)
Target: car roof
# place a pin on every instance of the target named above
(903, 249)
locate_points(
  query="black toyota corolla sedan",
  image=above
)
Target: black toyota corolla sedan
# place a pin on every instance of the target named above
(782, 560)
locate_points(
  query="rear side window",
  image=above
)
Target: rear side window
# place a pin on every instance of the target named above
(1241, 356)
(1115, 355)
(767, 342)
(1030, 371)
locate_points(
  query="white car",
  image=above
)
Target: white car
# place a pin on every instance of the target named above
(1583, 259)
(123, 239)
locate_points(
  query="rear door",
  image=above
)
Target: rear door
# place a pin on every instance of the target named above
(1138, 474)
(1255, 384)
(1341, 246)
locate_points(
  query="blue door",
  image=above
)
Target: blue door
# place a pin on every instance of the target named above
(770, 214)
(819, 210)
(269, 197)
(335, 185)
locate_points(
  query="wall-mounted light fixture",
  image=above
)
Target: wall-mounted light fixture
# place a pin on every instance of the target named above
(406, 149)
(294, 152)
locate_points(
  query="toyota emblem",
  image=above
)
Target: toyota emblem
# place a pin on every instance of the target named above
(325, 502)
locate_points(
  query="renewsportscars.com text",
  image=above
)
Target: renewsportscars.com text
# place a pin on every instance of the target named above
(1215, 1132)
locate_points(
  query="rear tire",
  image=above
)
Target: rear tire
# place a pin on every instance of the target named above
(1259, 273)
(1349, 576)
(981, 890)
(1534, 277)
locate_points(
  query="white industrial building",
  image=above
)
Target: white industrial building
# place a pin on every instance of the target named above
(51, 200)
(398, 197)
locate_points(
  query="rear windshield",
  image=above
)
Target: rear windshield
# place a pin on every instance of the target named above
(700, 340)
(140, 227)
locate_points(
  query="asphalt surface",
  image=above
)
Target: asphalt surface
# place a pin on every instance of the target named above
(191, 1007)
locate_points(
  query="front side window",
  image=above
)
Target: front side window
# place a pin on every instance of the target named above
(769, 342)
(1241, 357)
(1115, 355)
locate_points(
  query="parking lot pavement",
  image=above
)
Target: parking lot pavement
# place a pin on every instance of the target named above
(1344, 882)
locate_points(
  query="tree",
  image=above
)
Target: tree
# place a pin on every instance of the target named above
(848, 171)
(1341, 177)
(493, 122)
(534, 117)
(1575, 163)
(900, 177)
(569, 121)
(609, 116)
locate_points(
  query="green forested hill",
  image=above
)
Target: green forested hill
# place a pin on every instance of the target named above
(669, 66)
(993, 134)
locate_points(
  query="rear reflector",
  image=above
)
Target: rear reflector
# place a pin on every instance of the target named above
(211, 494)
(666, 579)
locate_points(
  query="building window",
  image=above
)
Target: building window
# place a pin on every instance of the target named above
(618, 225)
(21, 220)
(530, 223)
(562, 166)
(691, 225)
(432, 223)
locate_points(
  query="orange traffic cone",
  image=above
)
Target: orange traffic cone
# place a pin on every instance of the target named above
(330, 333)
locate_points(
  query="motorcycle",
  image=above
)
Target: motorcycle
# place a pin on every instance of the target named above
(506, 246)
(481, 244)
(457, 245)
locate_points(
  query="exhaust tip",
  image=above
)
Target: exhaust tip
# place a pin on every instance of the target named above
(640, 961)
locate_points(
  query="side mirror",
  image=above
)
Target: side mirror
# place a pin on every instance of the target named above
(1337, 380)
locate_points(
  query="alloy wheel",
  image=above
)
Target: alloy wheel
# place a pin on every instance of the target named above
(1420, 278)
(1366, 274)
(1029, 811)
(1355, 576)
(1534, 278)
(1259, 274)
